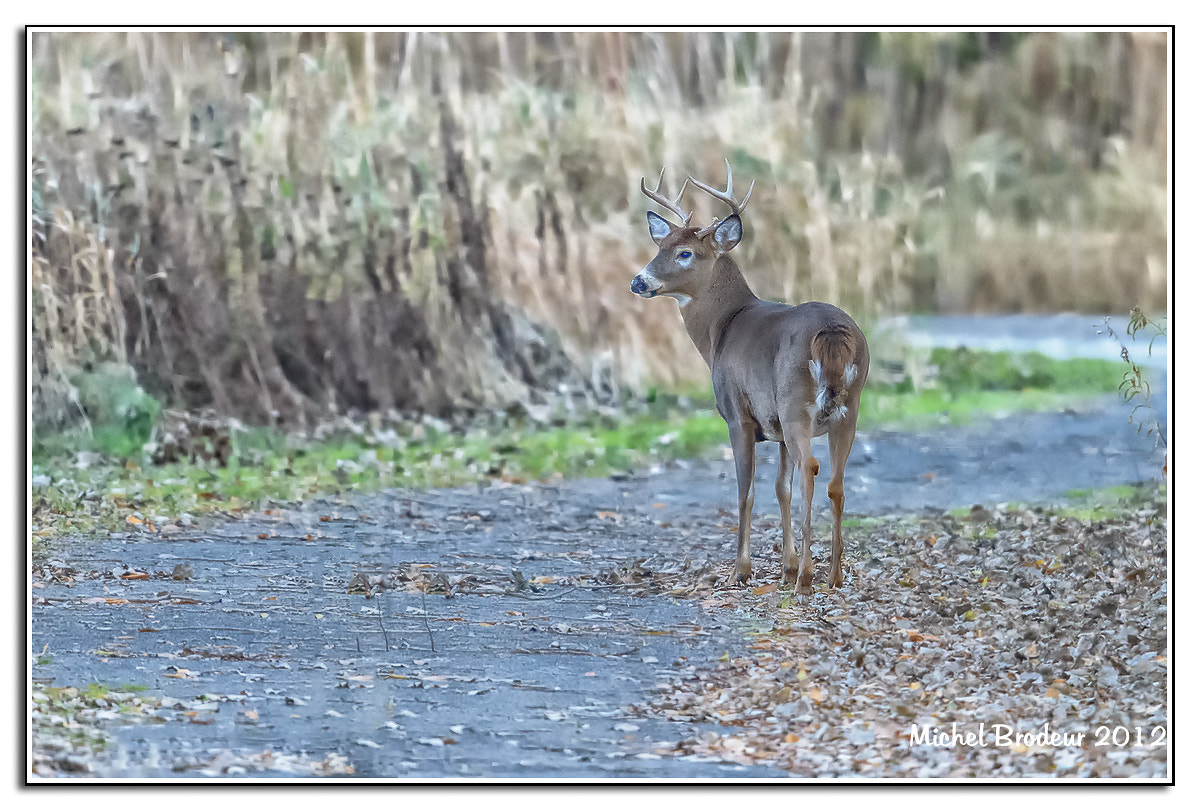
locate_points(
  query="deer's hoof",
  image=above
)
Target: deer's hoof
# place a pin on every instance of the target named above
(737, 578)
(791, 571)
(791, 578)
(804, 586)
(835, 580)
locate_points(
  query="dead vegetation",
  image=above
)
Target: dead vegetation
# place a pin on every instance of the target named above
(1013, 621)
(282, 225)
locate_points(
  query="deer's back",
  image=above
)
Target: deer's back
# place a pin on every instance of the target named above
(760, 367)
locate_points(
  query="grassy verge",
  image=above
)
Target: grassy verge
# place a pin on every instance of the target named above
(78, 493)
(971, 384)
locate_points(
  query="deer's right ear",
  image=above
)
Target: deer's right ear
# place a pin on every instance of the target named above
(659, 228)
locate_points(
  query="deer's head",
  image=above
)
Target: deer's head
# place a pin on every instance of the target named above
(686, 256)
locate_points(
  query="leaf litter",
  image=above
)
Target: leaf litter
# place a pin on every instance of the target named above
(1019, 620)
(73, 724)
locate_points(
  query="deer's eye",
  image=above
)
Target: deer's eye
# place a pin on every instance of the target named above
(685, 254)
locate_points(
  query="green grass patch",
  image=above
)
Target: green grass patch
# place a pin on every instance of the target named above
(1108, 503)
(970, 384)
(933, 407)
(866, 521)
(269, 468)
(961, 370)
(125, 493)
(1117, 502)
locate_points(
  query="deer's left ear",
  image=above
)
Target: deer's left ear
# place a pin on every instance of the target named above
(727, 234)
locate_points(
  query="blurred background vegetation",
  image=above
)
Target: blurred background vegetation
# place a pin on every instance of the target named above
(285, 227)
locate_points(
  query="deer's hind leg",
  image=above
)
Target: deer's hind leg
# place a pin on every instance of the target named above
(841, 439)
(797, 435)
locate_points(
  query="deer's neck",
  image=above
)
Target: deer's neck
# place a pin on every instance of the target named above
(708, 315)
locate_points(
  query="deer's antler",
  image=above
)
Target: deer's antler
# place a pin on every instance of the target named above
(725, 197)
(673, 205)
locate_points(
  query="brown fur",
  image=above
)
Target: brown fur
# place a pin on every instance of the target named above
(833, 348)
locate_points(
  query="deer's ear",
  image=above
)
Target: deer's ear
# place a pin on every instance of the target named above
(727, 234)
(659, 228)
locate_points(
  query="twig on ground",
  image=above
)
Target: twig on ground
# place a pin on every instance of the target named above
(386, 647)
(425, 616)
(547, 597)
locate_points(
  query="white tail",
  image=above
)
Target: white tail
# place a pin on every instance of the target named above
(780, 373)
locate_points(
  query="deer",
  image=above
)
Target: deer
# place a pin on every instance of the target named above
(780, 373)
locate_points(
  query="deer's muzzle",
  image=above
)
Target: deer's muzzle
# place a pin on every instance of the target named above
(643, 286)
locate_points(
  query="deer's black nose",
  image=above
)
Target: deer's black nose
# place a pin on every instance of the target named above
(639, 285)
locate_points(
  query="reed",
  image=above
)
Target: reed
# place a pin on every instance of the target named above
(280, 226)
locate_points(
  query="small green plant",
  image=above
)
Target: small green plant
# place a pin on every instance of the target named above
(1135, 386)
(118, 414)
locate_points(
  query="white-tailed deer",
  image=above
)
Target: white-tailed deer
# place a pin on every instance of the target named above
(781, 373)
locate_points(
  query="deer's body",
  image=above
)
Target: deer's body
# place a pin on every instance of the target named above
(780, 373)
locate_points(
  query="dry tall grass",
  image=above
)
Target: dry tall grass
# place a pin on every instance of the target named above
(280, 224)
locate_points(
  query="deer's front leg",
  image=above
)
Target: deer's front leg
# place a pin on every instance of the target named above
(790, 563)
(741, 437)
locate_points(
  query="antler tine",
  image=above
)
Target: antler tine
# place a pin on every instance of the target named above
(726, 196)
(673, 205)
